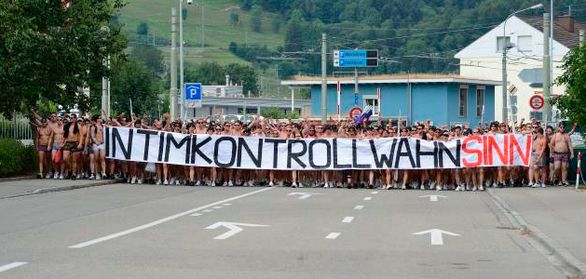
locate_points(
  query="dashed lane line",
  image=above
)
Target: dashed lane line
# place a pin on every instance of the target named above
(359, 207)
(333, 235)
(348, 219)
(11, 266)
(163, 220)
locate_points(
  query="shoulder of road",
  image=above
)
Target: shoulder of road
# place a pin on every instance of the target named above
(24, 186)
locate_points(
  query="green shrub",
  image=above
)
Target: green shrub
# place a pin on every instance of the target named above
(16, 159)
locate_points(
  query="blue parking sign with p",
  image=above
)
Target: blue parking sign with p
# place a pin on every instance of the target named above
(193, 91)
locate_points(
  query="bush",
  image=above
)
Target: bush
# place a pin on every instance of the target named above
(16, 159)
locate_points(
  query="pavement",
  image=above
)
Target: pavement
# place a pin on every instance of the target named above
(28, 186)
(147, 231)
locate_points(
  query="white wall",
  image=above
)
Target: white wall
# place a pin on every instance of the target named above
(482, 60)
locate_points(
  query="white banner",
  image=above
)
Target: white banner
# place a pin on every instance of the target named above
(141, 145)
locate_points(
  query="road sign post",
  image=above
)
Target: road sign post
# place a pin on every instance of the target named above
(192, 95)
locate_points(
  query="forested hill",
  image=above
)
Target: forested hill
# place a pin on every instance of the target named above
(416, 35)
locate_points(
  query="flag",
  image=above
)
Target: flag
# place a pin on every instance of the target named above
(364, 116)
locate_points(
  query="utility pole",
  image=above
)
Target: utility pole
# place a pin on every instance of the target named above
(292, 99)
(324, 82)
(504, 84)
(546, 70)
(355, 86)
(202, 26)
(181, 69)
(173, 86)
(581, 37)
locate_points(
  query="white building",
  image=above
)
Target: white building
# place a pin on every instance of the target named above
(483, 59)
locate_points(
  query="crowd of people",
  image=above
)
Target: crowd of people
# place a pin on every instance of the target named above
(80, 142)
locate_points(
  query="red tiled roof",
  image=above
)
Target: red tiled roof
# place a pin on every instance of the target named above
(560, 34)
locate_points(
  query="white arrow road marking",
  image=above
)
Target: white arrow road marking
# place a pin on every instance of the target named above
(217, 207)
(234, 228)
(164, 220)
(195, 214)
(333, 235)
(436, 235)
(303, 195)
(11, 266)
(227, 204)
(368, 198)
(359, 207)
(207, 210)
(433, 198)
(348, 219)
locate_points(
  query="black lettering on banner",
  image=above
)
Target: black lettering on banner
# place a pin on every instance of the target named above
(161, 145)
(107, 133)
(232, 152)
(355, 158)
(295, 156)
(328, 153)
(275, 149)
(383, 159)
(243, 145)
(196, 148)
(186, 140)
(147, 140)
(336, 165)
(125, 150)
(419, 153)
(404, 142)
(454, 158)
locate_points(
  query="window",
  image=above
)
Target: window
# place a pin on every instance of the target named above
(499, 43)
(479, 101)
(372, 101)
(463, 101)
(524, 43)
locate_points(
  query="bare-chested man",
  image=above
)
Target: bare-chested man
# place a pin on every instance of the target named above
(563, 152)
(99, 152)
(43, 141)
(56, 126)
(538, 163)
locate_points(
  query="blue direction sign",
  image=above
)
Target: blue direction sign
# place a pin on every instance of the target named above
(192, 91)
(355, 58)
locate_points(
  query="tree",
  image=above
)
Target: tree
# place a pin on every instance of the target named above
(184, 13)
(255, 18)
(272, 113)
(49, 52)
(131, 79)
(572, 103)
(276, 24)
(142, 29)
(151, 57)
(234, 18)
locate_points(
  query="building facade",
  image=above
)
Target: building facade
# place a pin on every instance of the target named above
(443, 99)
(524, 37)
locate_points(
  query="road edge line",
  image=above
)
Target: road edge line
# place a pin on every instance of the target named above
(557, 255)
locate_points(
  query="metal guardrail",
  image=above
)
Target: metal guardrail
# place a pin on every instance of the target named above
(16, 128)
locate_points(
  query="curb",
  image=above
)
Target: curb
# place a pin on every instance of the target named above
(17, 178)
(557, 255)
(60, 189)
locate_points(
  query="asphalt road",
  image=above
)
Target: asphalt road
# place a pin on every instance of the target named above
(144, 231)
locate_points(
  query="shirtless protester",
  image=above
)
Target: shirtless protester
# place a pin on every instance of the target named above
(563, 152)
(72, 145)
(538, 164)
(56, 126)
(98, 161)
(43, 141)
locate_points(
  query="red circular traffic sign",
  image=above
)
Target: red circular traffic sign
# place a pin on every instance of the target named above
(536, 102)
(354, 112)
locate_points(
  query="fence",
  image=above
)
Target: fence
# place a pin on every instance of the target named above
(17, 128)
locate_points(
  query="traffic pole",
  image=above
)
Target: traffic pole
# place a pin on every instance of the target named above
(578, 170)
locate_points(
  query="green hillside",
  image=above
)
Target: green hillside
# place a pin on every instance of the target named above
(218, 30)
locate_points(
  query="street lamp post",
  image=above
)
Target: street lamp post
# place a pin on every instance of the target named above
(181, 58)
(505, 97)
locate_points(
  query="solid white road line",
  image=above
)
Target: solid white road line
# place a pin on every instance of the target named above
(348, 219)
(368, 198)
(333, 235)
(163, 220)
(359, 207)
(11, 266)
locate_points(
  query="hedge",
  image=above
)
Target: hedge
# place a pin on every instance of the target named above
(16, 158)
